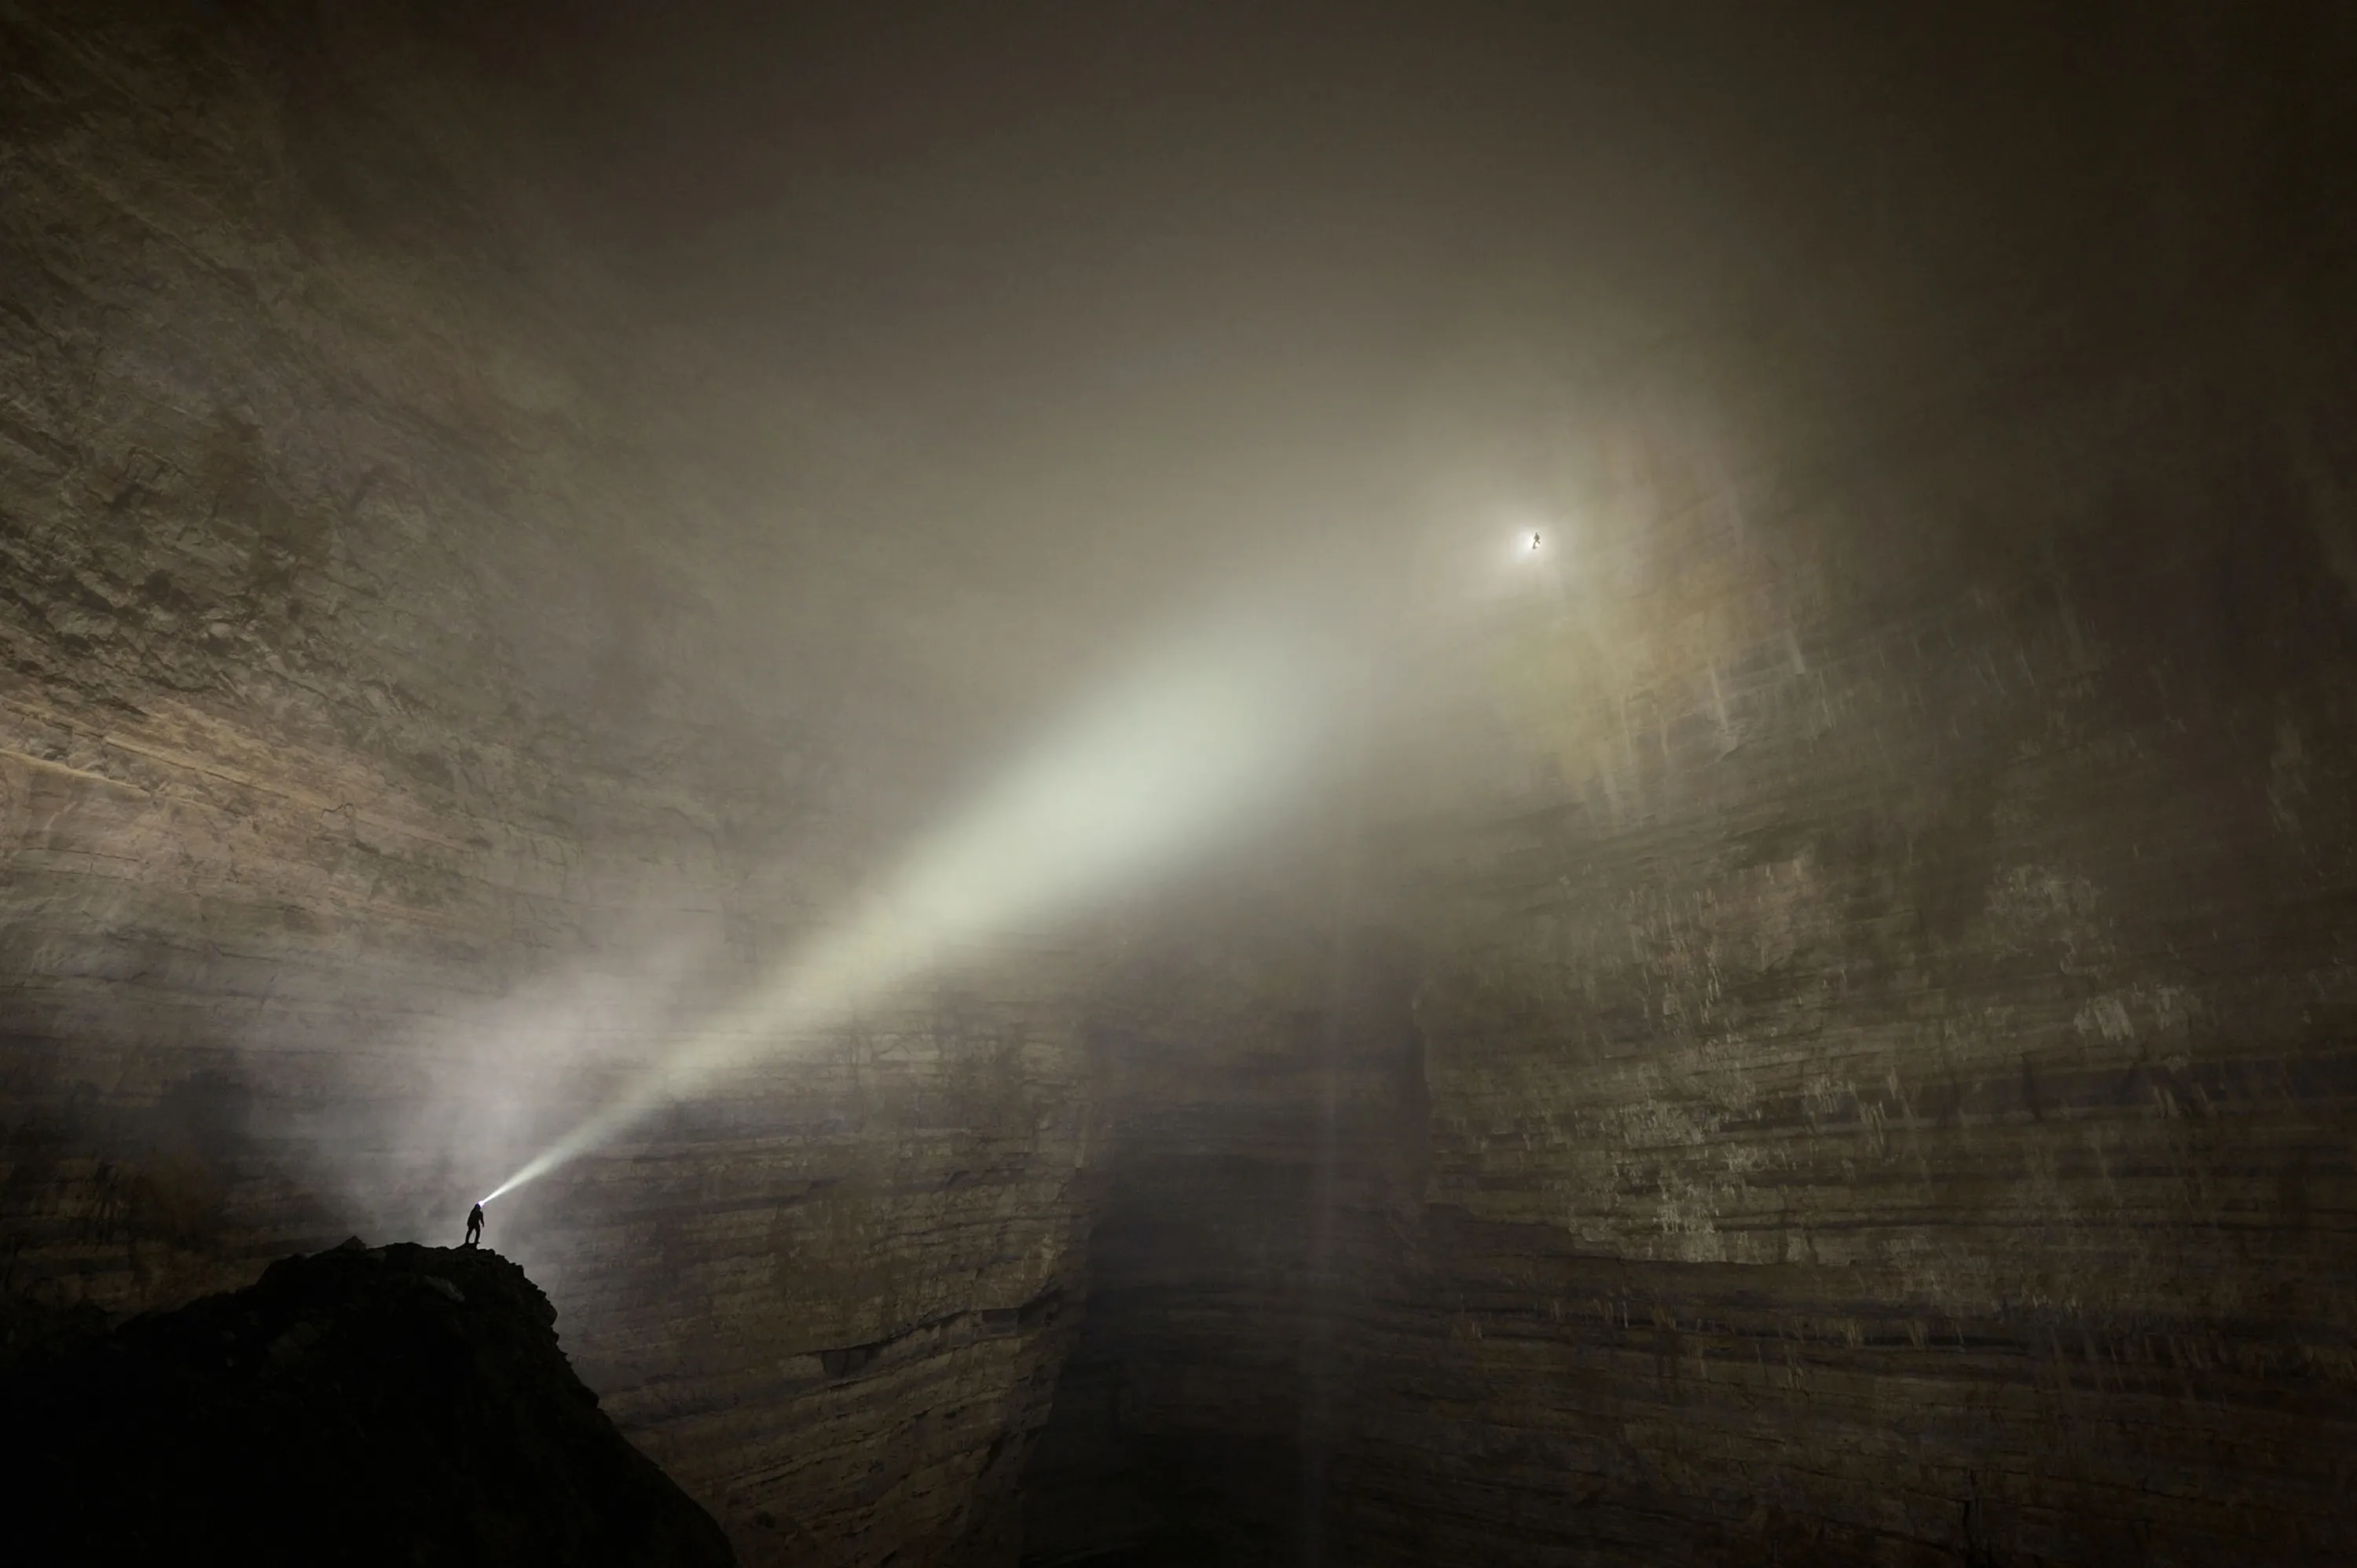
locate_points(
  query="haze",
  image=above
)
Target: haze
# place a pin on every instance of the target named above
(1191, 783)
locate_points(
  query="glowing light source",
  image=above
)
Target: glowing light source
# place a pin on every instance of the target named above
(1139, 777)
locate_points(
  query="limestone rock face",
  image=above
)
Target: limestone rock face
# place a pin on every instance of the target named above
(1815, 1027)
(410, 729)
(1875, 1091)
(390, 1404)
(1838, 1051)
(1896, 1106)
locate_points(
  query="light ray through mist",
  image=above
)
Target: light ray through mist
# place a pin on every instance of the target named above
(1156, 767)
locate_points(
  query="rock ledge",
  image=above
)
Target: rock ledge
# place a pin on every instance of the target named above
(387, 1404)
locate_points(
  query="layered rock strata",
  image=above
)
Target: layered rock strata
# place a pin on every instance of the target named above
(412, 727)
(1827, 1042)
(1857, 1066)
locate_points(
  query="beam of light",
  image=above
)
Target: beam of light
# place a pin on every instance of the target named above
(1153, 768)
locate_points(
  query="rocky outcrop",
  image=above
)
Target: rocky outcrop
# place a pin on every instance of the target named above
(387, 1404)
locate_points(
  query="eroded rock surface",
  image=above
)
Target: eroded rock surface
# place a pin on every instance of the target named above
(1818, 1029)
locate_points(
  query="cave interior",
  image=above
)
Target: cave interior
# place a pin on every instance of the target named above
(1195, 784)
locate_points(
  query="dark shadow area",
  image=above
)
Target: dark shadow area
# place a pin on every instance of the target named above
(392, 1404)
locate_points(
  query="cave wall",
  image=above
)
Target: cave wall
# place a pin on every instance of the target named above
(1825, 1038)
(405, 708)
(1840, 1045)
(1266, 1113)
(1876, 1089)
(1890, 1065)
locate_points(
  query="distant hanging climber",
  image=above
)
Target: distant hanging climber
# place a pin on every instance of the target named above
(475, 1225)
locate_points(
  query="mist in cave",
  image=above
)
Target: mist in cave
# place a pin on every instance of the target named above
(1166, 784)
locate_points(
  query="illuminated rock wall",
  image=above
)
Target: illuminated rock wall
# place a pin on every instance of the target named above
(407, 726)
(1834, 1045)
(1843, 1052)
(1889, 1069)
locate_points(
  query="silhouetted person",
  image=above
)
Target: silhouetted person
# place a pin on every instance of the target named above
(474, 1225)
